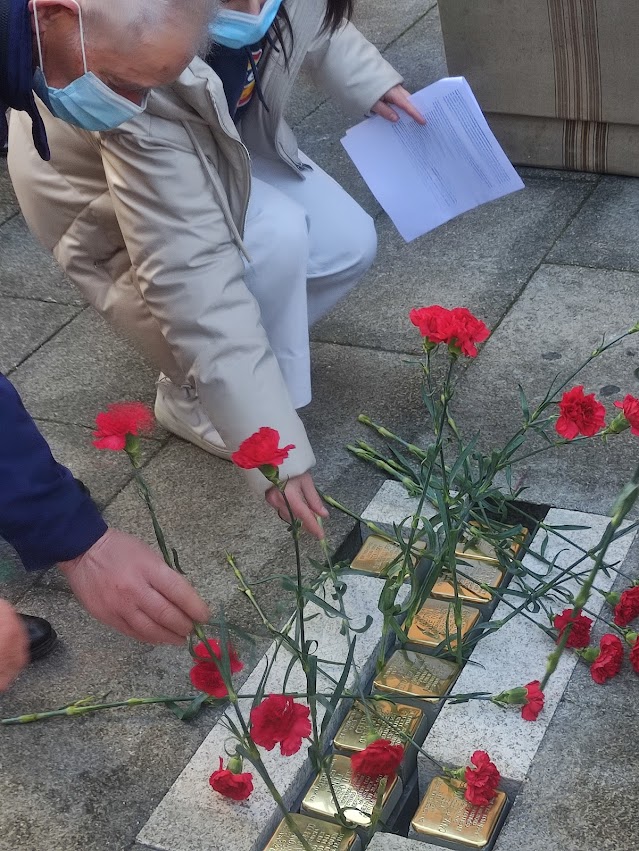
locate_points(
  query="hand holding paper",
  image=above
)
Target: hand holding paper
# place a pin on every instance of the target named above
(425, 175)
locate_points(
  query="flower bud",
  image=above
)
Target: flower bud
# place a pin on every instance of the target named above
(612, 598)
(588, 654)
(235, 764)
(516, 696)
(619, 424)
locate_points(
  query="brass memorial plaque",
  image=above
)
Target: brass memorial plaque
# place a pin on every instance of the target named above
(320, 835)
(356, 793)
(377, 554)
(480, 550)
(468, 588)
(446, 814)
(434, 618)
(416, 675)
(351, 736)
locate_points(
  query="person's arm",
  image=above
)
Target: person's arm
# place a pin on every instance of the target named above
(350, 69)
(45, 514)
(48, 517)
(191, 274)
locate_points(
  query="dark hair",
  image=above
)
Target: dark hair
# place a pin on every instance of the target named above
(336, 11)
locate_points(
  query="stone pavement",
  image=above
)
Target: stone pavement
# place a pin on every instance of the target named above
(550, 269)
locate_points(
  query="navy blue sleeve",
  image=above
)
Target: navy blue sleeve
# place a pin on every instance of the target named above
(45, 514)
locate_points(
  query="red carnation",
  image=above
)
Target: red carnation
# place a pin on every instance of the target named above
(534, 701)
(279, 719)
(579, 414)
(205, 675)
(580, 631)
(466, 330)
(482, 780)
(630, 408)
(119, 420)
(261, 450)
(458, 328)
(608, 663)
(433, 323)
(627, 609)
(634, 656)
(379, 759)
(238, 787)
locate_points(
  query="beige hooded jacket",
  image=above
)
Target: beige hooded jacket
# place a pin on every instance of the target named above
(147, 220)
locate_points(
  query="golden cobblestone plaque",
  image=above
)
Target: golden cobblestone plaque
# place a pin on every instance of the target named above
(377, 554)
(468, 588)
(445, 813)
(480, 550)
(429, 625)
(351, 736)
(356, 793)
(416, 675)
(320, 835)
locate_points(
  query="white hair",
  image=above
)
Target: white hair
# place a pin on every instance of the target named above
(135, 19)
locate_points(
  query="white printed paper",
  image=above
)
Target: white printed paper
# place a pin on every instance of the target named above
(424, 176)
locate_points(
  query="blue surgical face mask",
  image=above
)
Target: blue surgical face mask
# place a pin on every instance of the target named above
(86, 102)
(240, 29)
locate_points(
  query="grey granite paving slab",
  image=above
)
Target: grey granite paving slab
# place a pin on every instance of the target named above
(560, 318)
(581, 794)
(383, 26)
(480, 260)
(81, 370)
(90, 783)
(604, 233)
(26, 325)
(28, 271)
(8, 202)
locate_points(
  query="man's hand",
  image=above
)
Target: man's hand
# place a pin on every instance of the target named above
(304, 500)
(397, 96)
(14, 645)
(124, 584)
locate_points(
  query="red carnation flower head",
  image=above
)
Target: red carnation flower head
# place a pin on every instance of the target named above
(278, 719)
(262, 451)
(433, 323)
(482, 779)
(205, 674)
(634, 656)
(630, 408)
(627, 609)
(458, 328)
(580, 631)
(120, 420)
(379, 759)
(608, 663)
(466, 330)
(534, 701)
(579, 414)
(231, 784)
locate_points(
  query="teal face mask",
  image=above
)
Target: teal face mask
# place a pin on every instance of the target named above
(86, 102)
(239, 29)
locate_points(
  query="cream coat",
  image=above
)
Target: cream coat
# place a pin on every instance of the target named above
(147, 220)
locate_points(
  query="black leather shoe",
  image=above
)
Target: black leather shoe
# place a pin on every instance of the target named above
(42, 636)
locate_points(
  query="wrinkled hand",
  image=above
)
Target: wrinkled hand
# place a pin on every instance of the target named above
(14, 645)
(399, 97)
(304, 500)
(124, 584)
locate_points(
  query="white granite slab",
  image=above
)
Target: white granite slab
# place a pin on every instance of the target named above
(513, 656)
(390, 842)
(391, 504)
(192, 817)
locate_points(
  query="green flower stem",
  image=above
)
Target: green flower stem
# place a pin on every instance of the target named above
(80, 708)
(389, 435)
(623, 506)
(295, 533)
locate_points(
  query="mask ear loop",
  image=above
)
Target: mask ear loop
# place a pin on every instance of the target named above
(37, 30)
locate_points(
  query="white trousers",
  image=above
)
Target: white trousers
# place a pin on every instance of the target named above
(309, 244)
